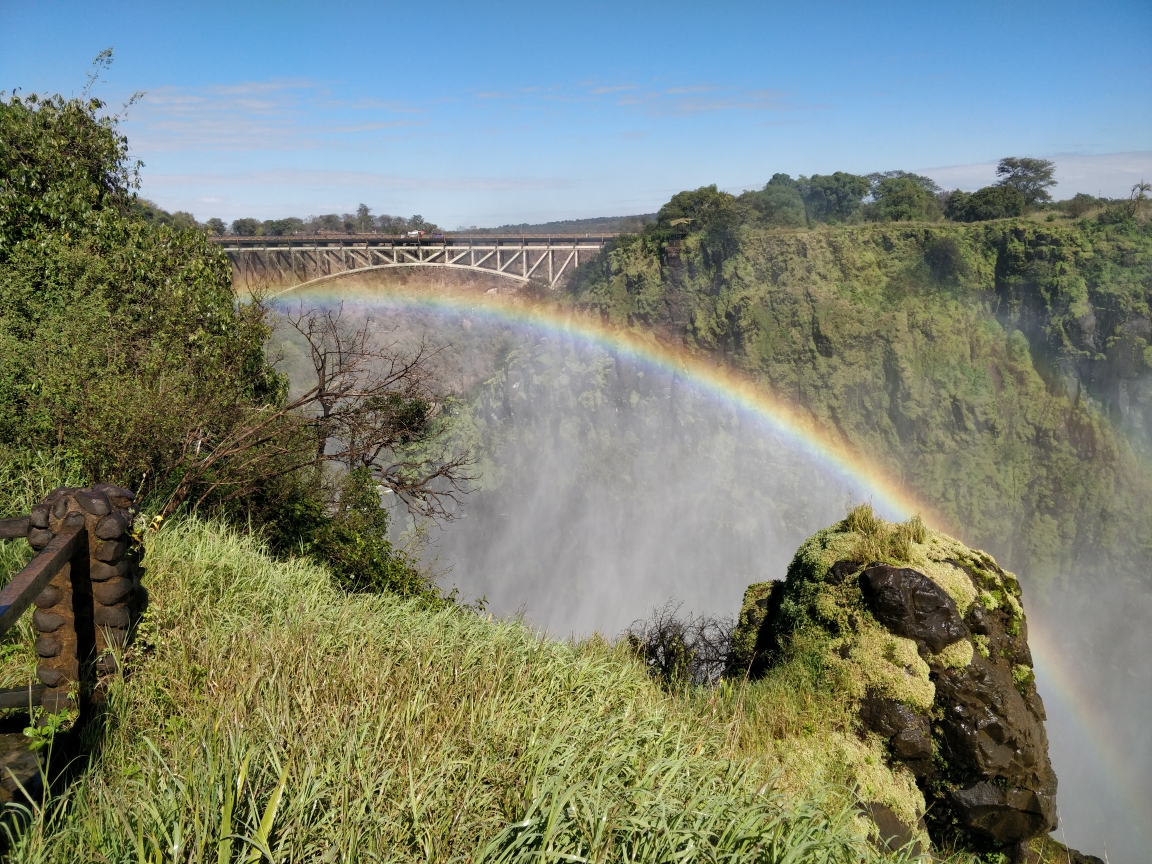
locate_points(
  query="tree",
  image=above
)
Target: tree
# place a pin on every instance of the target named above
(216, 226)
(282, 227)
(247, 227)
(694, 209)
(1079, 204)
(718, 215)
(900, 197)
(183, 220)
(1140, 193)
(122, 342)
(1032, 177)
(372, 407)
(835, 197)
(927, 183)
(991, 202)
(364, 221)
(779, 202)
(329, 223)
(61, 165)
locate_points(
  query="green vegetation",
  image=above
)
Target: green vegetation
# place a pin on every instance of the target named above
(124, 351)
(316, 725)
(360, 222)
(1030, 177)
(594, 225)
(991, 202)
(981, 364)
(829, 615)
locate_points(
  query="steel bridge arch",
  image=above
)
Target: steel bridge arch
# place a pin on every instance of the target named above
(515, 277)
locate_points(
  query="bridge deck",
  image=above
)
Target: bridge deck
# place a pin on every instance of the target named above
(338, 241)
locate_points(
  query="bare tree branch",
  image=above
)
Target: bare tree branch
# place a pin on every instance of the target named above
(369, 405)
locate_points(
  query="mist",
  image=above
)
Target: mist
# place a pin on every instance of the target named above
(612, 486)
(607, 486)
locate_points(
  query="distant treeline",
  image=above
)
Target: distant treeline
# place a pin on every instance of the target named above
(363, 222)
(360, 222)
(596, 225)
(888, 196)
(837, 198)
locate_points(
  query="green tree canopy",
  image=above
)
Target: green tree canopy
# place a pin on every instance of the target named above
(118, 325)
(991, 202)
(927, 183)
(282, 227)
(1031, 177)
(247, 227)
(779, 202)
(693, 210)
(833, 197)
(904, 198)
(364, 221)
(61, 167)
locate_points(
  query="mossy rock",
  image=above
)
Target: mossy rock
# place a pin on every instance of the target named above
(928, 639)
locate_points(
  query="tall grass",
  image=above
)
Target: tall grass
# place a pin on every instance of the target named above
(269, 716)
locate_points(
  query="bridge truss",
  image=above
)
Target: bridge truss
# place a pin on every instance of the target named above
(295, 263)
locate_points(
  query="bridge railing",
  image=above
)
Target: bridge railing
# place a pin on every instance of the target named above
(401, 239)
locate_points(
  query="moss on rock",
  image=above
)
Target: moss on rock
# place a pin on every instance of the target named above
(927, 639)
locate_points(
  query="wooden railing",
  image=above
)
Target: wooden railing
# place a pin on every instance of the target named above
(85, 584)
(25, 587)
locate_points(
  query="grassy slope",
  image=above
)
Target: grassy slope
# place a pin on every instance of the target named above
(952, 352)
(400, 732)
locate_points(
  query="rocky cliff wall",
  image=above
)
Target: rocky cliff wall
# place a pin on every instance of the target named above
(1002, 369)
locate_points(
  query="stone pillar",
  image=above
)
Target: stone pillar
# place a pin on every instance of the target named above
(91, 603)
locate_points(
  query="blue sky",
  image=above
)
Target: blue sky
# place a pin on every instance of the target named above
(491, 113)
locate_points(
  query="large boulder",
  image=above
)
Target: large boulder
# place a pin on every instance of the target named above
(930, 640)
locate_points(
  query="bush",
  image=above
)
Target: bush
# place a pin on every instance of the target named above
(903, 199)
(991, 202)
(119, 337)
(681, 651)
(122, 342)
(779, 203)
(833, 197)
(339, 522)
(1079, 204)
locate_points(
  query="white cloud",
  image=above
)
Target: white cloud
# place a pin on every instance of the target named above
(277, 115)
(353, 180)
(703, 98)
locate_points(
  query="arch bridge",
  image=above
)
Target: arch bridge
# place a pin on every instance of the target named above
(295, 262)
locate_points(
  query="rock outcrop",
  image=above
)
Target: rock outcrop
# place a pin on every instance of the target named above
(931, 640)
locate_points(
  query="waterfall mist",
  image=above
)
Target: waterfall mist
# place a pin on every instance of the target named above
(612, 487)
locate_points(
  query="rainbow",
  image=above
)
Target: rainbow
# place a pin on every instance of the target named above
(891, 497)
(1054, 672)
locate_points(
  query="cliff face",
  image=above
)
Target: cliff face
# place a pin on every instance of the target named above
(928, 639)
(1002, 369)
